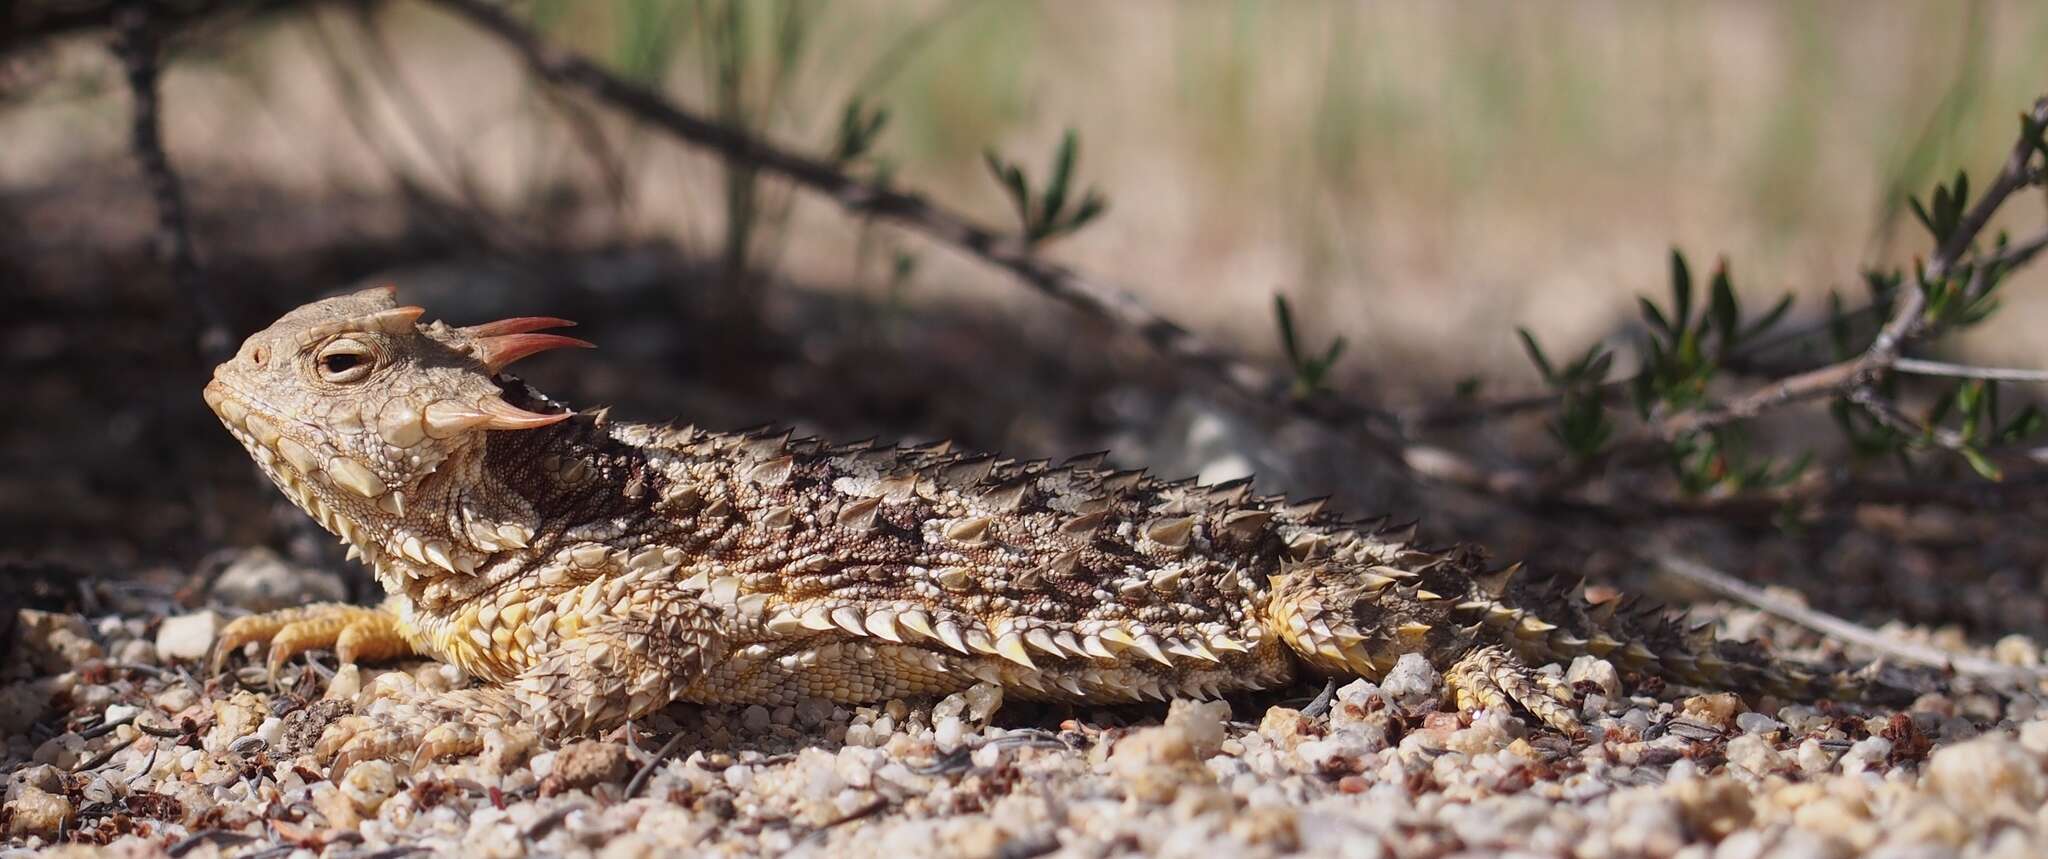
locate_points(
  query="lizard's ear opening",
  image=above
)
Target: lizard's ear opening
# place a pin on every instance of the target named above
(500, 343)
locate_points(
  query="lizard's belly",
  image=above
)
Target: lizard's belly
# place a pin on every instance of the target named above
(854, 672)
(838, 671)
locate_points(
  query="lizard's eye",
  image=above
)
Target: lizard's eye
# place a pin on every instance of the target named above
(344, 361)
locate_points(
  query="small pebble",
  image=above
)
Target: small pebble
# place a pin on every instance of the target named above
(2017, 650)
(506, 748)
(33, 811)
(1813, 759)
(1597, 671)
(52, 642)
(186, 637)
(1757, 723)
(21, 705)
(542, 764)
(1754, 754)
(137, 652)
(1717, 710)
(368, 784)
(261, 580)
(1286, 727)
(586, 763)
(175, 698)
(946, 735)
(983, 700)
(812, 712)
(1414, 685)
(1866, 753)
(1977, 775)
(63, 751)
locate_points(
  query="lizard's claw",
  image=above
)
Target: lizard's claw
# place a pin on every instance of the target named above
(352, 632)
(447, 740)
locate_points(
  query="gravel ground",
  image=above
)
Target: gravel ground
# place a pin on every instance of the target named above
(118, 742)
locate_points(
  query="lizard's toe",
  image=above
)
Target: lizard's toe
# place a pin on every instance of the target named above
(447, 741)
(296, 638)
(380, 743)
(341, 732)
(371, 639)
(241, 631)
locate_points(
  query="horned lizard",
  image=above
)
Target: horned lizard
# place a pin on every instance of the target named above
(588, 571)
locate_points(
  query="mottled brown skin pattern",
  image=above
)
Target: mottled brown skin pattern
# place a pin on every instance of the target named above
(588, 571)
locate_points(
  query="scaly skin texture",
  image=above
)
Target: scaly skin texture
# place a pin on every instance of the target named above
(588, 572)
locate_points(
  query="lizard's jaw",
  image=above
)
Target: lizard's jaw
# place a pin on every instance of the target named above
(343, 495)
(290, 464)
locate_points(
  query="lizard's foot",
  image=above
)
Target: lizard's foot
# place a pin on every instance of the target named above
(353, 632)
(611, 673)
(419, 727)
(1492, 678)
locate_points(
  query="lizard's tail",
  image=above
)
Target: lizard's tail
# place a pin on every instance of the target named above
(1357, 617)
(1641, 637)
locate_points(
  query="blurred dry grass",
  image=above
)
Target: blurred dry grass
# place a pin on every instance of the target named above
(1419, 176)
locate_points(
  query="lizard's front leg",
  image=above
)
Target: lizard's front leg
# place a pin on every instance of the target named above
(619, 669)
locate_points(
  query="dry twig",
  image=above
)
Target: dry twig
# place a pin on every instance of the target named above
(1908, 322)
(1736, 589)
(1919, 367)
(1005, 250)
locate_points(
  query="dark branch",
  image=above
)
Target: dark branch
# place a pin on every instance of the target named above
(138, 42)
(1008, 251)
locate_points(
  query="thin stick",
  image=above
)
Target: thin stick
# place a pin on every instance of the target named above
(1444, 415)
(1919, 367)
(2021, 252)
(1733, 588)
(647, 770)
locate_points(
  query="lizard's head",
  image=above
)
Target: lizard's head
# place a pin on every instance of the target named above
(350, 405)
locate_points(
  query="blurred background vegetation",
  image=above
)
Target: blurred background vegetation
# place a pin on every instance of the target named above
(1418, 178)
(1412, 174)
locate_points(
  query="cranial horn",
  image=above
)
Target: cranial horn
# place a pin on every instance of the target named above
(499, 351)
(396, 320)
(500, 343)
(505, 416)
(445, 418)
(516, 325)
